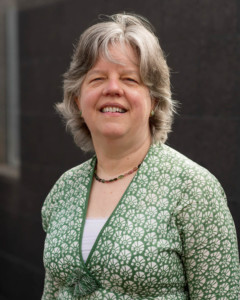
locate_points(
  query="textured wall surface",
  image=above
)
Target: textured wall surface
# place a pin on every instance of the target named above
(202, 42)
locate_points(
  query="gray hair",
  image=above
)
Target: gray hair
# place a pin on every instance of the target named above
(126, 29)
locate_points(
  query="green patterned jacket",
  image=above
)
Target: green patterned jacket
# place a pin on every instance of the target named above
(170, 237)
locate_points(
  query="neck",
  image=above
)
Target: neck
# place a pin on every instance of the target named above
(116, 157)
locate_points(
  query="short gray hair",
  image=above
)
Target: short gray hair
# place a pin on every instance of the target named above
(137, 32)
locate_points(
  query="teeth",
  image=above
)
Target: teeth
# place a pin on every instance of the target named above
(113, 109)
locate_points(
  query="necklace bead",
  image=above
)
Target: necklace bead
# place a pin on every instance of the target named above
(116, 178)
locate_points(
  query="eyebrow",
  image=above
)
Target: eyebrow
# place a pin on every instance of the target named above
(131, 72)
(92, 72)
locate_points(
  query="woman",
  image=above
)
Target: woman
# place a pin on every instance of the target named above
(138, 220)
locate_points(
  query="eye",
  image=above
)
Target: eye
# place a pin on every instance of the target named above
(130, 79)
(97, 79)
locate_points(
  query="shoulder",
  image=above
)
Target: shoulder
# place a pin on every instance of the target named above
(76, 173)
(176, 164)
(184, 177)
(73, 178)
(71, 184)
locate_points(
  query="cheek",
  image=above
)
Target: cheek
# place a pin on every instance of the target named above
(142, 102)
(87, 99)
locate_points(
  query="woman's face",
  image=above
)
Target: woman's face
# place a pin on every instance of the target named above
(114, 101)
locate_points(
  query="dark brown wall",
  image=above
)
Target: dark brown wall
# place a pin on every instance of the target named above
(201, 40)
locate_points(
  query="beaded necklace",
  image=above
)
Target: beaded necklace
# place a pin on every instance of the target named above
(116, 178)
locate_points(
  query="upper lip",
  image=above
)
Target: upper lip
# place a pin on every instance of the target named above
(110, 104)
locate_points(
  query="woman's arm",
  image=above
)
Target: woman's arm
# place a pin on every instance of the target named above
(50, 291)
(210, 253)
(50, 205)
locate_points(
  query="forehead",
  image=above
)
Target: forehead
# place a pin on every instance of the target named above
(119, 55)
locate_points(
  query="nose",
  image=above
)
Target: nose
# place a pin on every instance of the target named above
(113, 88)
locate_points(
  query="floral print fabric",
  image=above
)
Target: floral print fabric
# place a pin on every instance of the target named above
(170, 237)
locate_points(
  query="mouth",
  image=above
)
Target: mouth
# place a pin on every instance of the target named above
(113, 109)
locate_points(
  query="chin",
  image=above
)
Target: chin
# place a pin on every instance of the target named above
(113, 135)
(113, 131)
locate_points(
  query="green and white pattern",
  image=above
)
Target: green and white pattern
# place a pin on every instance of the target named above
(170, 237)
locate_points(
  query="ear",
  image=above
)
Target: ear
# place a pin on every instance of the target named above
(153, 103)
(77, 102)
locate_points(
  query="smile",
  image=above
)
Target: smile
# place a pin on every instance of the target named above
(113, 109)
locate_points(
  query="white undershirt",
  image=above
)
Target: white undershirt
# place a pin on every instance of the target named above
(91, 230)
